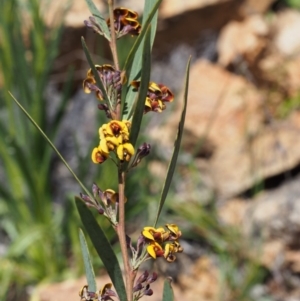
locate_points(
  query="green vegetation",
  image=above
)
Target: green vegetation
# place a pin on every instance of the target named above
(35, 232)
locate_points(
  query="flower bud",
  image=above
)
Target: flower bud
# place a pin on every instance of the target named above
(142, 152)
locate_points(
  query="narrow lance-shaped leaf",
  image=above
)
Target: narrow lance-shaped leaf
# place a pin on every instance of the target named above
(51, 144)
(151, 8)
(168, 294)
(89, 271)
(102, 247)
(95, 72)
(173, 161)
(140, 104)
(150, 19)
(133, 64)
(99, 19)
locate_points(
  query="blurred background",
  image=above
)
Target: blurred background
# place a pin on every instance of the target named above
(235, 192)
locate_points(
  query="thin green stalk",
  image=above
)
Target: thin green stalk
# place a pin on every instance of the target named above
(51, 144)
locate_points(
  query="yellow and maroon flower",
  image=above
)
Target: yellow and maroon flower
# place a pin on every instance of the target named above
(111, 80)
(162, 242)
(85, 294)
(175, 233)
(125, 22)
(117, 129)
(155, 250)
(157, 95)
(170, 249)
(106, 292)
(125, 151)
(98, 156)
(114, 136)
(158, 235)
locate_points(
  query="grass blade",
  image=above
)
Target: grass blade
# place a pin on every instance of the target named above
(102, 247)
(51, 144)
(99, 19)
(168, 294)
(89, 271)
(172, 164)
(140, 104)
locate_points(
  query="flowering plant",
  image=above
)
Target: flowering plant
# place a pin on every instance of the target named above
(125, 95)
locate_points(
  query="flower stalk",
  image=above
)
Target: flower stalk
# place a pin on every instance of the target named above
(121, 232)
(113, 44)
(115, 145)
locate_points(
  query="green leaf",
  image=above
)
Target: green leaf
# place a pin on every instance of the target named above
(168, 294)
(102, 247)
(140, 104)
(99, 19)
(51, 144)
(133, 64)
(89, 271)
(172, 164)
(95, 72)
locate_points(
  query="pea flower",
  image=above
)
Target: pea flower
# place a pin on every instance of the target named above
(110, 78)
(154, 249)
(157, 96)
(170, 249)
(162, 242)
(174, 231)
(105, 202)
(98, 155)
(158, 234)
(105, 293)
(114, 136)
(125, 22)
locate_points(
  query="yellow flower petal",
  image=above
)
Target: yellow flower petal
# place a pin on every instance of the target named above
(104, 147)
(151, 252)
(86, 83)
(125, 151)
(153, 87)
(147, 234)
(175, 232)
(111, 195)
(154, 249)
(98, 156)
(103, 289)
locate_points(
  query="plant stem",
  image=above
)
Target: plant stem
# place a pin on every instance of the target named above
(113, 48)
(129, 275)
(113, 42)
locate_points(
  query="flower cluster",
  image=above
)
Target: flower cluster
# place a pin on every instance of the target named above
(105, 202)
(111, 80)
(142, 285)
(125, 22)
(157, 96)
(114, 136)
(162, 242)
(106, 293)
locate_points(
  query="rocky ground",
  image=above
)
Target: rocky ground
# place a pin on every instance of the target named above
(242, 127)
